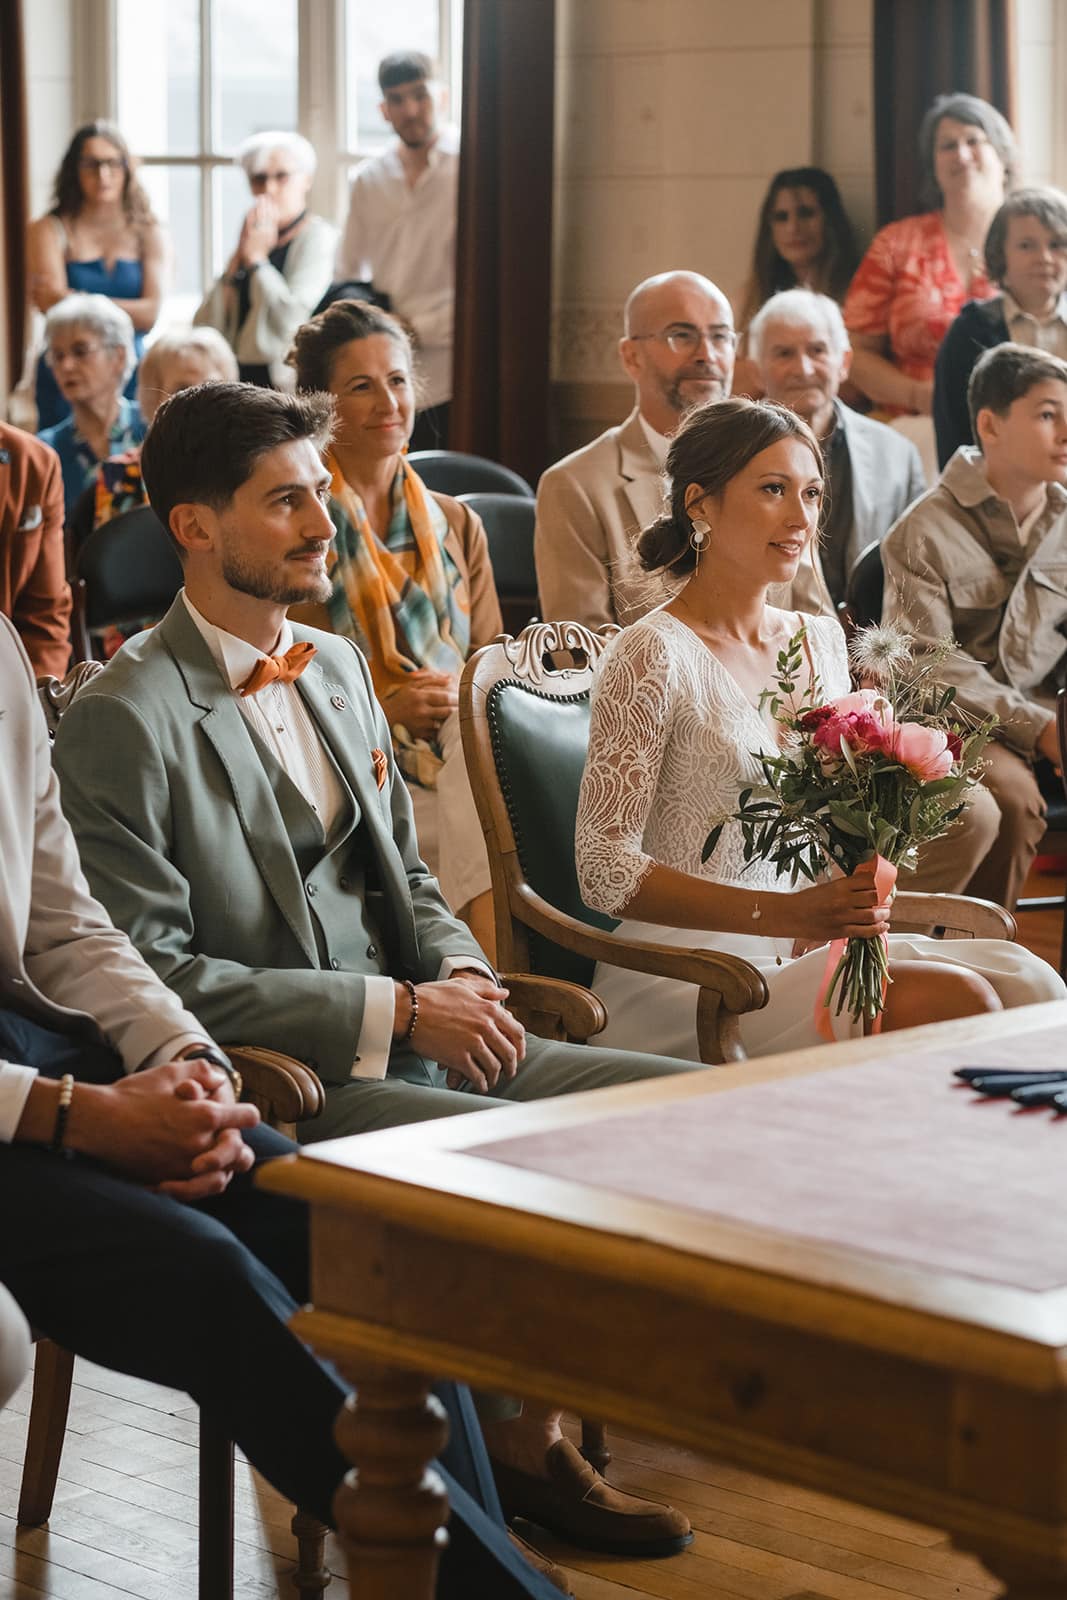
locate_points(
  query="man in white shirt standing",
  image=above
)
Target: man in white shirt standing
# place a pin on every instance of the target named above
(401, 229)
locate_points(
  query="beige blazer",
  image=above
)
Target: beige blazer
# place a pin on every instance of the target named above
(61, 958)
(591, 506)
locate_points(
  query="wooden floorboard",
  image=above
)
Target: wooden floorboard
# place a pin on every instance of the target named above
(124, 1524)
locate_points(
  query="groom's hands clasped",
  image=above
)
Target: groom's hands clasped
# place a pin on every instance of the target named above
(463, 1026)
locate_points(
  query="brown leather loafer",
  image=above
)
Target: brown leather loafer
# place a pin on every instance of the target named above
(548, 1569)
(578, 1505)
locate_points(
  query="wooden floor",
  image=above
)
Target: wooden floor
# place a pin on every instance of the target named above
(125, 1518)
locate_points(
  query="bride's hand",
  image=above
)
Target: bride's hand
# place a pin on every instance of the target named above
(845, 908)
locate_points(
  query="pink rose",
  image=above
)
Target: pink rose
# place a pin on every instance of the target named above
(924, 751)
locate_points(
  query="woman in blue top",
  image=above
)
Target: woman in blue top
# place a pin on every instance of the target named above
(100, 237)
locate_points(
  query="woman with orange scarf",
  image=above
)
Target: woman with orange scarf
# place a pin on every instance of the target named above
(412, 581)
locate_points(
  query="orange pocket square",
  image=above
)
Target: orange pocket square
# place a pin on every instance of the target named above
(381, 767)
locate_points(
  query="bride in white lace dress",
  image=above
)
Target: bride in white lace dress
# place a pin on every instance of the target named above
(675, 727)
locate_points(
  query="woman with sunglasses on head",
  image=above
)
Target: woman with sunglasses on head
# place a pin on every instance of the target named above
(282, 265)
(100, 237)
(804, 240)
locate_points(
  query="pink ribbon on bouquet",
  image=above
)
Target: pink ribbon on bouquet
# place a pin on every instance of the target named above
(885, 878)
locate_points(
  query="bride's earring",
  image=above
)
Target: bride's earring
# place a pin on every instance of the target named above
(699, 536)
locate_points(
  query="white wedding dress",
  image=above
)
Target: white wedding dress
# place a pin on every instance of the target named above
(670, 750)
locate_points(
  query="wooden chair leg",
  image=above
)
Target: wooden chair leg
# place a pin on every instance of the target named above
(215, 1572)
(310, 1575)
(595, 1444)
(53, 1370)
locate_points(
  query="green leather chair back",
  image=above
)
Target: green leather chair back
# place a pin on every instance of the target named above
(539, 743)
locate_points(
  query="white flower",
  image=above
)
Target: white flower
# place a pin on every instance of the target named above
(880, 652)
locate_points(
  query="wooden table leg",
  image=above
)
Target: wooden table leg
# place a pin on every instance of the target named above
(391, 1511)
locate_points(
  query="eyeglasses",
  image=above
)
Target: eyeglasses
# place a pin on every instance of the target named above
(685, 339)
(102, 164)
(260, 180)
(78, 352)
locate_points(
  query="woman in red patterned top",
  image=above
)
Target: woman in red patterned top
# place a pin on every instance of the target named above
(918, 272)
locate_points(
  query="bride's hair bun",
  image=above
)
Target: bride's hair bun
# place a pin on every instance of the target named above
(714, 444)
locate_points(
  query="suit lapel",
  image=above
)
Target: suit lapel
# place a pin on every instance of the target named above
(257, 808)
(338, 711)
(640, 471)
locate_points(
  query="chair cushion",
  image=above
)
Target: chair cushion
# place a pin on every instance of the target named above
(539, 746)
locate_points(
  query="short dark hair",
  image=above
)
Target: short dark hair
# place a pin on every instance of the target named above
(715, 442)
(405, 66)
(966, 108)
(318, 340)
(1007, 373)
(1048, 206)
(204, 442)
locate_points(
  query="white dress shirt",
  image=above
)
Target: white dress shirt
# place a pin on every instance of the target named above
(402, 238)
(1024, 328)
(658, 442)
(280, 717)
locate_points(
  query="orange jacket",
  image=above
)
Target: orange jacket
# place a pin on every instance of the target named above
(34, 591)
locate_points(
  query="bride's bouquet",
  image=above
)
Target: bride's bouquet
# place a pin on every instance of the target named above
(867, 778)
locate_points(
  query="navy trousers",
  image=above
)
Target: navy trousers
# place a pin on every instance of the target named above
(198, 1297)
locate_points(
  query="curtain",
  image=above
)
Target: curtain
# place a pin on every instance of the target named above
(923, 48)
(15, 210)
(504, 247)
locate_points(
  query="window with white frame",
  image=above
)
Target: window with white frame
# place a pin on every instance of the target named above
(191, 79)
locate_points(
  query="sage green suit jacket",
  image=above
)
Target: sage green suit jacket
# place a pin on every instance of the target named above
(190, 844)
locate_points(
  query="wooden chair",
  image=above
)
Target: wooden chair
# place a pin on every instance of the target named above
(525, 725)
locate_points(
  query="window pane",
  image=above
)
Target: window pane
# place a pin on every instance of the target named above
(232, 200)
(370, 33)
(175, 196)
(255, 54)
(159, 76)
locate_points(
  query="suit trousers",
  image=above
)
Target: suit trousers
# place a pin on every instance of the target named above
(1020, 804)
(198, 1298)
(550, 1069)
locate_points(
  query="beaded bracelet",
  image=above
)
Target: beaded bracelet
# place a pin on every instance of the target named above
(66, 1095)
(405, 1037)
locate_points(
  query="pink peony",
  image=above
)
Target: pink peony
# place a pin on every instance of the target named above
(865, 733)
(924, 751)
(864, 700)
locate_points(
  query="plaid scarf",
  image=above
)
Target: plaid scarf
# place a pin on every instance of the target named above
(403, 599)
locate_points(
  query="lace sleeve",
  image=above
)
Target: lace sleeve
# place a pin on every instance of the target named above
(629, 733)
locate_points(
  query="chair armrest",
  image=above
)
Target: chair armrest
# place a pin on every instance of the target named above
(961, 913)
(741, 985)
(284, 1090)
(554, 1008)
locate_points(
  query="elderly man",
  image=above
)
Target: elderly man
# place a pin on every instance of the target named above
(33, 583)
(678, 348)
(801, 348)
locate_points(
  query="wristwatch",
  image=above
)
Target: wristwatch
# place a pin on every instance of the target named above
(208, 1052)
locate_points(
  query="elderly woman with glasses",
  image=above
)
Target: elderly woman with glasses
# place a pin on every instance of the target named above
(282, 265)
(100, 237)
(90, 349)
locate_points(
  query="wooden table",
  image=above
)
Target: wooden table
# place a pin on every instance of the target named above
(874, 1371)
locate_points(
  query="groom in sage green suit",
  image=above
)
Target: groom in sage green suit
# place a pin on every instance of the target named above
(230, 782)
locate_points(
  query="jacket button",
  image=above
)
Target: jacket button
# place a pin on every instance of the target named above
(372, 950)
(335, 964)
(312, 891)
(343, 883)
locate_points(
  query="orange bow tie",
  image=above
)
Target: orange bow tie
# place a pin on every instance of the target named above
(278, 669)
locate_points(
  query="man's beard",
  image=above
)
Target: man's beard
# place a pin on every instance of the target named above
(678, 401)
(264, 583)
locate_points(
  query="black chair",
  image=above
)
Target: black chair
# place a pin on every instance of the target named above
(451, 472)
(863, 592)
(509, 527)
(126, 571)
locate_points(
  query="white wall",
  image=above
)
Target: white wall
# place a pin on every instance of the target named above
(49, 92)
(671, 117)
